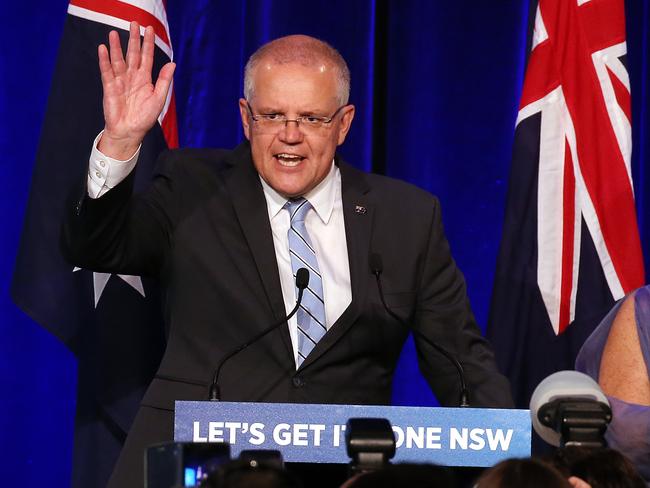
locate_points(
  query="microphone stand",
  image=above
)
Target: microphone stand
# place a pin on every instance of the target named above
(376, 266)
(302, 280)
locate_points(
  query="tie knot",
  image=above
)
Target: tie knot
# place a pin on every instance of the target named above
(298, 209)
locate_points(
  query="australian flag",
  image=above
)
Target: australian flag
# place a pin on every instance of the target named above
(112, 323)
(570, 244)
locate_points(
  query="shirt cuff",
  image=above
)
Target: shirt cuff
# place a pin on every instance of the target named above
(104, 172)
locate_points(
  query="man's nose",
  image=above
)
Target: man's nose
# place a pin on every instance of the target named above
(291, 132)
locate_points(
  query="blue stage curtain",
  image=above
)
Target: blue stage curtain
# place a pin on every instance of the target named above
(436, 85)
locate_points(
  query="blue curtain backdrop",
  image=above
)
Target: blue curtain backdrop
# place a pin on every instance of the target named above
(436, 85)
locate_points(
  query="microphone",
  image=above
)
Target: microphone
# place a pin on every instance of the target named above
(302, 280)
(377, 267)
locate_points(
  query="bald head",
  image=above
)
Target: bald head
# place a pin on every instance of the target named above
(302, 50)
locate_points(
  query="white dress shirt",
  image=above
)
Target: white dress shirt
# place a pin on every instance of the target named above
(324, 223)
(104, 172)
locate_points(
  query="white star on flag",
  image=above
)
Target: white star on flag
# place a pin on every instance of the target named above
(100, 280)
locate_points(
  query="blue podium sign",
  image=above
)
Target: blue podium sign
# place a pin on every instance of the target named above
(310, 433)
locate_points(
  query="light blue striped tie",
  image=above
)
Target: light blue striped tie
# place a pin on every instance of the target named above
(311, 314)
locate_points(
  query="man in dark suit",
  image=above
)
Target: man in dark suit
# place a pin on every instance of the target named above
(225, 232)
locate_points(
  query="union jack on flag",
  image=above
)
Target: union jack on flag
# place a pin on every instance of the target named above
(571, 244)
(578, 81)
(119, 14)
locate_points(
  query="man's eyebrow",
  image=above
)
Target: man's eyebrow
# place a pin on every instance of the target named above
(313, 112)
(271, 110)
(267, 110)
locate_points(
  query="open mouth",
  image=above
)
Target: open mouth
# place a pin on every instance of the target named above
(287, 159)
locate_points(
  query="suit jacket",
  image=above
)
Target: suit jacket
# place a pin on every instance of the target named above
(203, 231)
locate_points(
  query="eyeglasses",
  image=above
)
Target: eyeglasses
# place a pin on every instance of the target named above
(274, 122)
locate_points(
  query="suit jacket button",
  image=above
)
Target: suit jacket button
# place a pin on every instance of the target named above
(298, 382)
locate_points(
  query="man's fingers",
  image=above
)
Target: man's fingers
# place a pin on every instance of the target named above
(117, 60)
(133, 49)
(105, 65)
(147, 50)
(164, 81)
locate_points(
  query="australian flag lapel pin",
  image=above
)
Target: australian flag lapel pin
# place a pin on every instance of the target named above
(360, 209)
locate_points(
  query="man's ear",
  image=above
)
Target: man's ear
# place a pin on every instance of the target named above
(346, 122)
(245, 117)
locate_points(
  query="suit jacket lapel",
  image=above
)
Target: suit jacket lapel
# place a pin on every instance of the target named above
(358, 215)
(250, 206)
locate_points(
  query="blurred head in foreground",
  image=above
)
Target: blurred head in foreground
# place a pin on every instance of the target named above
(517, 473)
(600, 468)
(406, 476)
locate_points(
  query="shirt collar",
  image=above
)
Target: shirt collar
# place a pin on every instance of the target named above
(321, 197)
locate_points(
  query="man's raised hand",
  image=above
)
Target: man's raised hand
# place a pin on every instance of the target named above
(132, 103)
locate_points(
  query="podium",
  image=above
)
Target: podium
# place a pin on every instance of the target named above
(315, 433)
